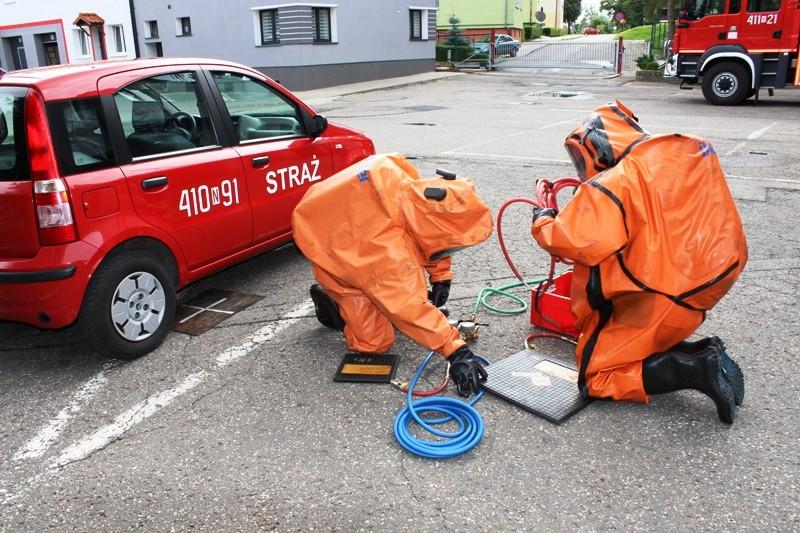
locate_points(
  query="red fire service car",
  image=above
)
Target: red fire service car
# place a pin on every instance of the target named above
(737, 47)
(121, 182)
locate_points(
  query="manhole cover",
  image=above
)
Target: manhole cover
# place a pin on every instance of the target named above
(209, 309)
(419, 108)
(556, 94)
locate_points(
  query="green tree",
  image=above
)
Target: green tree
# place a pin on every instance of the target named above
(572, 10)
(455, 37)
(593, 18)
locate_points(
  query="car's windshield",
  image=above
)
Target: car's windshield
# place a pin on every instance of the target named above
(13, 158)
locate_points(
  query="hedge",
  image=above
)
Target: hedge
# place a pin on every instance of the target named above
(456, 54)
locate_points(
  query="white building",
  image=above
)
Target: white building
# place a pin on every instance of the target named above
(36, 33)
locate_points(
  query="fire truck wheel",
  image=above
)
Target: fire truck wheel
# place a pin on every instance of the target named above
(726, 83)
(129, 305)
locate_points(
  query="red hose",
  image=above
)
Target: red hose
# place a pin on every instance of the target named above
(546, 197)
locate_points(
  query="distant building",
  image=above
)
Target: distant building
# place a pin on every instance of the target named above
(478, 18)
(35, 33)
(304, 45)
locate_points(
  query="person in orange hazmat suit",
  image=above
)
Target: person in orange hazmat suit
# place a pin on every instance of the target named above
(656, 242)
(370, 231)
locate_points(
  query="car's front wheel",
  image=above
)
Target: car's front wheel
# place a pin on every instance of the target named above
(129, 305)
(726, 83)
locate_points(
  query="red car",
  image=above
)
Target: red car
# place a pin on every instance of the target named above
(121, 182)
(590, 31)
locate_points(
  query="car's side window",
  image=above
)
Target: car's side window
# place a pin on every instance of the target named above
(80, 134)
(163, 114)
(257, 110)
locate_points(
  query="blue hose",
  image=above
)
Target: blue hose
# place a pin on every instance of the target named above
(450, 443)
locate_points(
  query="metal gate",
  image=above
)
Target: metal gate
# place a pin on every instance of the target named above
(588, 53)
(573, 54)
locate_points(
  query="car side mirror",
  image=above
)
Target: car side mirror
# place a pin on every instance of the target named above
(318, 125)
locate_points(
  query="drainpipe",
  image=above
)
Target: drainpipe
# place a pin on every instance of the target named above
(135, 30)
(505, 14)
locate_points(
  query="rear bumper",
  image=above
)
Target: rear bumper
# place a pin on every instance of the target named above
(47, 290)
(36, 276)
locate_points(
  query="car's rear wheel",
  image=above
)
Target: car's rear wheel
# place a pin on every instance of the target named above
(129, 305)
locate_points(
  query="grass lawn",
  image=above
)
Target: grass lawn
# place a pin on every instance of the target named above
(639, 33)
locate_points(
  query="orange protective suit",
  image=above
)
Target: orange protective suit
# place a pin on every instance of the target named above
(656, 240)
(369, 231)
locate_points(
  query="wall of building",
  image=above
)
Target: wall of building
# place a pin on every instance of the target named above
(371, 38)
(504, 16)
(481, 13)
(29, 19)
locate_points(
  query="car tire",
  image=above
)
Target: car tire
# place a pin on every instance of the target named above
(513, 52)
(726, 83)
(129, 305)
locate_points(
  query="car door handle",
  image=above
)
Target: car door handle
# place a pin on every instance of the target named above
(777, 34)
(152, 183)
(261, 161)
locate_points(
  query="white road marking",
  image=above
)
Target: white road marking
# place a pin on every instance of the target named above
(520, 157)
(758, 133)
(735, 148)
(751, 178)
(39, 444)
(264, 334)
(145, 409)
(752, 137)
(481, 143)
(124, 422)
(568, 121)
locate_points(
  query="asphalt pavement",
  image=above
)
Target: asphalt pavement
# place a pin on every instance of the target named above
(243, 429)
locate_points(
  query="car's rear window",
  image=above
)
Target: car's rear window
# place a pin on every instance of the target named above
(13, 150)
(81, 135)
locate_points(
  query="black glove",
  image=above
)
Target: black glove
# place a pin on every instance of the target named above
(544, 212)
(466, 371)
(439, 292)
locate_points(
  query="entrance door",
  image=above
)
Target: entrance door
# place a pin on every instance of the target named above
(18, 53)
(51, 54)
(761, 23)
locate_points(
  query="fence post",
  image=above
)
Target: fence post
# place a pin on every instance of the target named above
(619, 55)
(491, 48)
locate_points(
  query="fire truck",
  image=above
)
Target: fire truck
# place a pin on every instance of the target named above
(735, 48)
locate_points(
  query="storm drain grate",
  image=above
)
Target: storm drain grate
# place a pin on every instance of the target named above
(209, 309)
(556, 94)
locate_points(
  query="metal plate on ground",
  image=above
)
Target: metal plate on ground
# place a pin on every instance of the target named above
(367, 367)
(209, 309)
(544, 386)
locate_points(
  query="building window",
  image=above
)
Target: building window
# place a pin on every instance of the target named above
(760, 6)
(82, 43)
(416, 24)
(322, 24)
(119, 38)
(183, 26)
(269, 26)
(151, 29)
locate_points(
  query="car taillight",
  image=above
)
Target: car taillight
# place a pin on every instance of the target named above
(51, 199)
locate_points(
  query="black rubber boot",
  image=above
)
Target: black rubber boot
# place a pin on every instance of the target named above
(326, 308)
(703, 371)
(729, 366)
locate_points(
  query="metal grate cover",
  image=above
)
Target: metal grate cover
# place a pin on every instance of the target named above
(536, 383)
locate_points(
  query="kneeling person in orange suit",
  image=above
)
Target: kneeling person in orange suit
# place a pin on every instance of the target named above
(657, 241)
(370, 232)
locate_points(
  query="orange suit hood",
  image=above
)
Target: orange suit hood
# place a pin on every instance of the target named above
(657, 241)
(607, 136)
(371, 231)
(441, 227)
